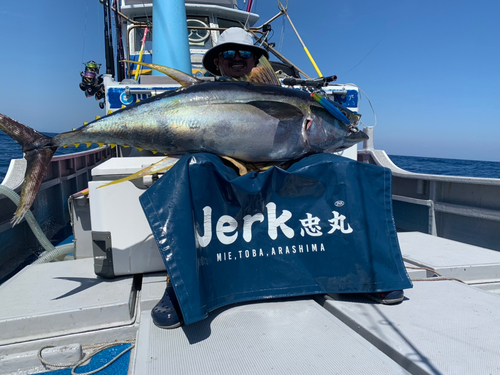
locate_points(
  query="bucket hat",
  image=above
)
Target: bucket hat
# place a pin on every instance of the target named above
(233, 38)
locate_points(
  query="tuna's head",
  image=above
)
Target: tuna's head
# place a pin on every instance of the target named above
(327, 134)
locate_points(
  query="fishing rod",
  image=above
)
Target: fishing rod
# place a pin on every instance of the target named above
(138, 68)
(249, 6)
(123, 16)
(110, 41)
(313, 83)
(108, 48)
(120, 54)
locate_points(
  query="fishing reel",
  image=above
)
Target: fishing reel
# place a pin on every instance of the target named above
(92, 82)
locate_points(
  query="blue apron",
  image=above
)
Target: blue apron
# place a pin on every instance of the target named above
(325, 225)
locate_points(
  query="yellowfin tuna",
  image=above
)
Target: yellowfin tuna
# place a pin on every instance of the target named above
(250, 122)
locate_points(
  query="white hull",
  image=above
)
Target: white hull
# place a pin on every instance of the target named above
(449, 231)
(442, 327)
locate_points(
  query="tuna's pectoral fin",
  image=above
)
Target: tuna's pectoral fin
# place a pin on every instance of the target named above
(184, 79)
(281, 111)
(161, 166)
(38, 162)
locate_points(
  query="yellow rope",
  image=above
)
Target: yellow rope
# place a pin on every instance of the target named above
(283, 9)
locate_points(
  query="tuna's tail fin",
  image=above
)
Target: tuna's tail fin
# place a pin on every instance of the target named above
(38, 152)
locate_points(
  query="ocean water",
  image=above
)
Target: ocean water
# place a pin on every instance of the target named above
(9, 149)
(448, 167)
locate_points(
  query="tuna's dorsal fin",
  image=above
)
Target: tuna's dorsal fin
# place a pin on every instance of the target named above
(184, 79)
(263, 73)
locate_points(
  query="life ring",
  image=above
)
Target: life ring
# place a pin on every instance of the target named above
(197, 36)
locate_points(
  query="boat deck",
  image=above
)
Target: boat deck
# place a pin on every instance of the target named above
(280, 337)
(443, 327)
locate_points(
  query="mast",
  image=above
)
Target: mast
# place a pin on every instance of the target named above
(170, 35)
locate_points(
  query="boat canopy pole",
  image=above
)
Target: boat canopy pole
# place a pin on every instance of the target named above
(283, 9)
(254, 30)
(278, 55)
(271, 19)
(170, 36)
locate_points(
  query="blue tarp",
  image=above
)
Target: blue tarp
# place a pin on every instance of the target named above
(324, 225)
(118, 367)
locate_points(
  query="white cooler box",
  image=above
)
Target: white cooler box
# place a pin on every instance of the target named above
(121, 237)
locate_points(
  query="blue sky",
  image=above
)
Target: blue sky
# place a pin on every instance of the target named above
(430, 68)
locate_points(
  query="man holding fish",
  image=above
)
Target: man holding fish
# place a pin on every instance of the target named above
(233, 57)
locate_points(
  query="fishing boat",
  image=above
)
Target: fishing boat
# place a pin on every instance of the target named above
(90, 298)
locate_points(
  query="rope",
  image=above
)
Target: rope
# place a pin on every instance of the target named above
(30, 218)
(371, 106)
(438, 277)
(423, 268)
(282, 36)
(51, 253)
(363, 59)
(369, 102)
(75, 365)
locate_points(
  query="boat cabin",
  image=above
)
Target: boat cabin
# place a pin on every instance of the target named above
(205, 20)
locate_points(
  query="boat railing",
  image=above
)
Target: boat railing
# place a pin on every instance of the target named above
(61, 167)
(67, 174)
(464, 209)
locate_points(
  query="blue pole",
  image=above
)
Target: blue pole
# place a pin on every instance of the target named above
(170, 35)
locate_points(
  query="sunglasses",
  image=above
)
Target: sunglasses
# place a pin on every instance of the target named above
(229, 55)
